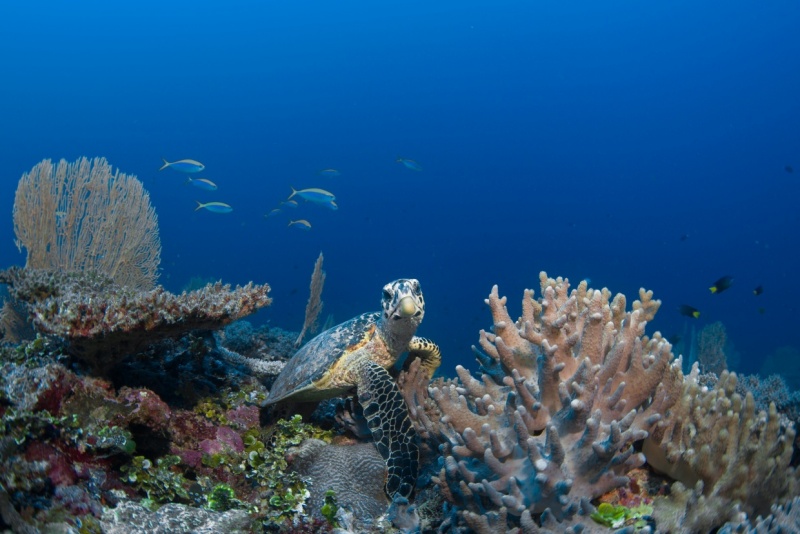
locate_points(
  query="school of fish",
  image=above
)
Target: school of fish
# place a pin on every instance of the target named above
(311, 195)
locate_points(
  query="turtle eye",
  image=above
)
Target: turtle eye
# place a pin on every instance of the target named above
(387, 295)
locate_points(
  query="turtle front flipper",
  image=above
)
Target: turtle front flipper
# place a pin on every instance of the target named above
(427, 351)
(394, 435)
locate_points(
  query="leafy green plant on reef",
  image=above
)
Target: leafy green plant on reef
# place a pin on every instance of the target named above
(618, 516)
(263, 463)
(160, 482)
(23, 426)
(214, 408)
(330, 508)
(222, 498)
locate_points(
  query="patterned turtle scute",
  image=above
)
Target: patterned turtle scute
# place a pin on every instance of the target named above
(392, 431)
(356, 355)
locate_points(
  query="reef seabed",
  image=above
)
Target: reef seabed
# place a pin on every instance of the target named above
(127, 414)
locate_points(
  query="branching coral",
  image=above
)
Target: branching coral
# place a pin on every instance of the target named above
(726, 456)
(567, 389)
(103, 322)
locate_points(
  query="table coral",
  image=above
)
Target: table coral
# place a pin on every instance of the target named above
(103, 322)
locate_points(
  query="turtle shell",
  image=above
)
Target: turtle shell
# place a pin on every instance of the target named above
(319, 356)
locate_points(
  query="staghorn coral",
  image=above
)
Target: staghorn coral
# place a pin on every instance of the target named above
(103, 322)
(568, 388)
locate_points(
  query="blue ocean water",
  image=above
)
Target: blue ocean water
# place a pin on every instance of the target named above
(634, 143)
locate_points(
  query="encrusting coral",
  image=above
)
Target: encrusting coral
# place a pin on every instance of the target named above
(103, 322)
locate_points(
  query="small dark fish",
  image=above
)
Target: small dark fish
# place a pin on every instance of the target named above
(762, 311)
(722, 284)
(674, 340)
(757, 291)
(684, 237)
(689, 311)
(788, 168)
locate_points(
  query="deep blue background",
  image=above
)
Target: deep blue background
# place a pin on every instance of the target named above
(582, 138)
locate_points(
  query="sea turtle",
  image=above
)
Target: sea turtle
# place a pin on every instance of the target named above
(356, 354)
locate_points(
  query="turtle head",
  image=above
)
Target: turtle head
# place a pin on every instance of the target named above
(402, 299)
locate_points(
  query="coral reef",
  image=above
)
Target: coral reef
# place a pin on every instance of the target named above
(567, 391)
(728, 458)
(264, 351)
(102, 322)
(578, 422)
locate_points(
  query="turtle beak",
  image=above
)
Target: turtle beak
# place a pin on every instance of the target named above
(407, 307)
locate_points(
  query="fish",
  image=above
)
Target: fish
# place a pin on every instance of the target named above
(61, 214)
(202, 183)
(330, 205)
(722, 284)
(184, 165)
(410, 164)
(684, 237)
(757, 291)
(300, 223)
(273, 213)
(330, 173)
(689, 311)
(789, 169)
(214, 207)
(289, 203)
(313, 194)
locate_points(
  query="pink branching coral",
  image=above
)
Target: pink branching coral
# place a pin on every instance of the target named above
(102, 322)
(566, 391)
(568, 388)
